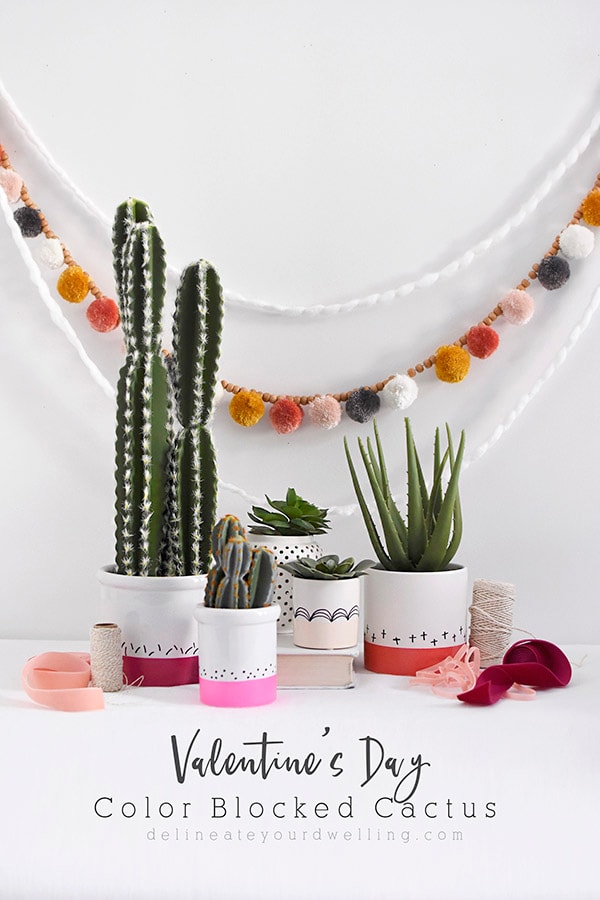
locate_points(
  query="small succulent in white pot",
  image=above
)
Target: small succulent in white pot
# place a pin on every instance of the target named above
(326, 601)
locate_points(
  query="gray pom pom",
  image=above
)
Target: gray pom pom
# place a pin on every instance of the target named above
(362, 405)
(29, 221)
(553, 272)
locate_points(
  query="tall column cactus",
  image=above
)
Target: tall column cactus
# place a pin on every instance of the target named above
(142, 437)
(196, 344)
(166, 477)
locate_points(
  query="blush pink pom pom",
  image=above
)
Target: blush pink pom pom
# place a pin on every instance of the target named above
(12, 184)
(285, 415)
(518, 307)
(325, 412)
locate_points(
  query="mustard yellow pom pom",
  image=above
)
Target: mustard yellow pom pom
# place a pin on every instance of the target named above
(73, 284)
(591, 207)
(451, 363)
(246, 408)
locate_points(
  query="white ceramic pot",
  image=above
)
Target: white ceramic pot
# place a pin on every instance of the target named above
(326, 613)
(156, 618)
(237, 649)
(413, 619)
(285, 549)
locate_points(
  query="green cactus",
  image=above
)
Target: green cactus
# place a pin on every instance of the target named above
(243, 576)
(166, 475)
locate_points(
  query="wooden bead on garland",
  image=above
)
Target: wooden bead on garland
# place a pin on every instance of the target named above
(491, 619)
(482, 341)
(452, 363)
(590, 207)
(73, 284)
(246, 408)
(554, 271)
(400, 392)
(324, 411)
(285, 416)
(576, 242)
(517, 307)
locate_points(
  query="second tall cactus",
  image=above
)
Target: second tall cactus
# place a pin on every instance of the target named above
(165, 460)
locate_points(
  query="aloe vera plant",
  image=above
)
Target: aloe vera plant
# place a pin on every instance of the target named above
(427, 538)
(327, 568)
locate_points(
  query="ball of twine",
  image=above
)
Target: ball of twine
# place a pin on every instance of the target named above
(491, 619)
(106, 657)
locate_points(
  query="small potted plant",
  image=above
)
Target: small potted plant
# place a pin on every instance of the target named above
(237, 633)
(166, 482)
(326, 601)
(288, 529)
(416, 597)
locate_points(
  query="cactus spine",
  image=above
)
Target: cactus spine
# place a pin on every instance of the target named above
(243, 576)
(166, 477)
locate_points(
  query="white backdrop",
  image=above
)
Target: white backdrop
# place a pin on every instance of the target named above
(314, 152)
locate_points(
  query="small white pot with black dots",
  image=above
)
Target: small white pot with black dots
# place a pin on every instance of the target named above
(284, 550)
(413, 619)
(156, 618)
(237, 653)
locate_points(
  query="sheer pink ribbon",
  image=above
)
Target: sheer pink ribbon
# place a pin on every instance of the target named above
(459, 673)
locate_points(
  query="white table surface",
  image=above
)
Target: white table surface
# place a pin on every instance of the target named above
(535, 763)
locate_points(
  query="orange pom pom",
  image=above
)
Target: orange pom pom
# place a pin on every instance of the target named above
(591, 207)
(246, 408)
(452, 363)
(73, 284)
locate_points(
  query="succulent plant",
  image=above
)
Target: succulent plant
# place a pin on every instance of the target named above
(327, 568)
(428, 539)
(242, 576)
(290, 517)
(165, 461)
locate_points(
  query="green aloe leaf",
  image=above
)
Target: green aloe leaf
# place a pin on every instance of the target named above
(417, 535)
(437, 548)
(376, 542)
(394, 544)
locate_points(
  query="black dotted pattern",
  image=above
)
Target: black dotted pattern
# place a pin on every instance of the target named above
(283, 588)
(240, 674)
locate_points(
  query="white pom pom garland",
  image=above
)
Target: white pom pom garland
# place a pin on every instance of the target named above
(576, 242)
(400, 392)
(51, 253)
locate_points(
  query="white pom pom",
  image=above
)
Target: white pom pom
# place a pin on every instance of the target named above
(51, 253)
(576, 242)
(400, 392)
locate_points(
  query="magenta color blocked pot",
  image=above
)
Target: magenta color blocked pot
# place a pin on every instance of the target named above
(237, 650)
(326, 613)
(156, 618)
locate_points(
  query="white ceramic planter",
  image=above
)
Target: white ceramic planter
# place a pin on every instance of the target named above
(285, 549)
(156, 618)
(413, 619)
(237, 650)
(326, 613)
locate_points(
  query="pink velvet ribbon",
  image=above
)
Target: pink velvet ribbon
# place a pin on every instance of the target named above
(61, 681)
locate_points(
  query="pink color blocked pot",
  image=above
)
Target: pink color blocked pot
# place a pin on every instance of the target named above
(237, 651)
(326, 613)
(156, 618)
(413, 619)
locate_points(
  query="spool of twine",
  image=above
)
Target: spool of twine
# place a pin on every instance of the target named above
(106, 657)
(491, 619)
